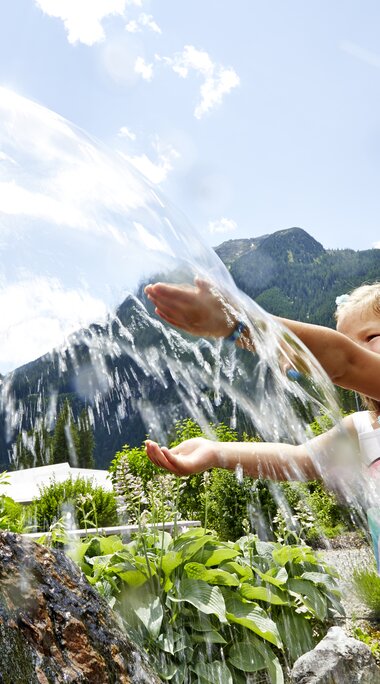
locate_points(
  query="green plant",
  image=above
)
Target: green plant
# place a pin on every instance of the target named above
(13, 515)
(367, 586)
(315, 510)
(146, 494)
(81, 498)
(371, 637)
(213, 611)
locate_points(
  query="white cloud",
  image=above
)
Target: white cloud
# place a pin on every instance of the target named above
(143, 21)
(124, 132)
(371, 58)
(376, 245)
(132, 26)
(218, 80)
(143, 69)
(42, 311)
(223, 225)
(83, 18)
(16, 200)
(156, 171)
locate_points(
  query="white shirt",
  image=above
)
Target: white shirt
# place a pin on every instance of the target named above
(369, 439)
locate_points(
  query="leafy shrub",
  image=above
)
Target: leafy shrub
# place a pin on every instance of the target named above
(370, 636)
(90, 505)
(13, 515)
(311, 503)
(210, 610)
(367, 586)
(145, 493)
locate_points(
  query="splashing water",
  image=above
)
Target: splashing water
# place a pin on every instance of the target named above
(81, 234)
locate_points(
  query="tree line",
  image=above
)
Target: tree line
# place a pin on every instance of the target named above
(71, 441)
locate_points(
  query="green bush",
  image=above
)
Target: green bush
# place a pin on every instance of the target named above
(213, 611)
(90, 505)
(13, 515)
(313, 502)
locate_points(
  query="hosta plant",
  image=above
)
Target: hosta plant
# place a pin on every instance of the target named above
(210, 611)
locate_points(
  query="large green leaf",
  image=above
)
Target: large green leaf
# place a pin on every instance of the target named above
(219, 555)
(133, 573)
(272, 663)
(242, 571)
(245, 657)
(111, 544)
(134, 578)
(311, 596)
(172, 642)
(213, 637)
(167, 670)
(248, 591)
(201, 623)
(265, 549)
(149, 610)
(199, 571)
(198, 593)
(170, 561)
(253, 617)
(298, 554)
(216, 672)
(275, 576)
(252, 655)
(188, 548)
(296, 632)
(320, 578)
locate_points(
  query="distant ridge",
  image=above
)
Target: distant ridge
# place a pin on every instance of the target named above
(290, 273)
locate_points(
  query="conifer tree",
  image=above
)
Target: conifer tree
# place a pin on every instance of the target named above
(22, 453)
(65, 437)
(86, 441)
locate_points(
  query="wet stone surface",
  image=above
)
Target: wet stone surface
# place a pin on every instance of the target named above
(54, 627)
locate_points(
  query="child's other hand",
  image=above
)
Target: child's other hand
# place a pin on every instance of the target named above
(199, 309)
(192, 456)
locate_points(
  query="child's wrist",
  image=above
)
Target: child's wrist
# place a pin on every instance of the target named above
(223, 457)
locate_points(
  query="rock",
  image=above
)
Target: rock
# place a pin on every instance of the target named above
(337, 659)
(54, 627)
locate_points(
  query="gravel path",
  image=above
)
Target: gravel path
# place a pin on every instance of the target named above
(345, 561)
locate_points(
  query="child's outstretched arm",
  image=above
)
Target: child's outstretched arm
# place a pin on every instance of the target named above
(274, 461)
(202, 310)
(257, 459)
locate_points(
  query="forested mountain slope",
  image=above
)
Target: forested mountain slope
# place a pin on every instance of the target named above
(290, 274)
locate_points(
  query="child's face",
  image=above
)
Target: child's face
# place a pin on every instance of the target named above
(362, 325)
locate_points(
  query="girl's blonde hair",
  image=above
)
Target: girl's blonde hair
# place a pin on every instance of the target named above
(365, 295)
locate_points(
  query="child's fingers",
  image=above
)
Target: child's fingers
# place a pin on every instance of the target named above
(172, 308)
(158, 457)
(174, 321)
(151, 451)
(165, 292)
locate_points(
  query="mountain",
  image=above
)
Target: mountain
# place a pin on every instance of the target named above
(288, 273)
(231, 250)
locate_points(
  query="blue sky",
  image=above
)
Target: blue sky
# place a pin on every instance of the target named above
(251, 116)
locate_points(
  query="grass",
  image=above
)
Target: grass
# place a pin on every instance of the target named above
(367, 586)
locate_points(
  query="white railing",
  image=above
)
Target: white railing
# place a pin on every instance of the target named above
(124, 530)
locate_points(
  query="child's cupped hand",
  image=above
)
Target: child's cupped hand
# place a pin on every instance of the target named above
(189, 457)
